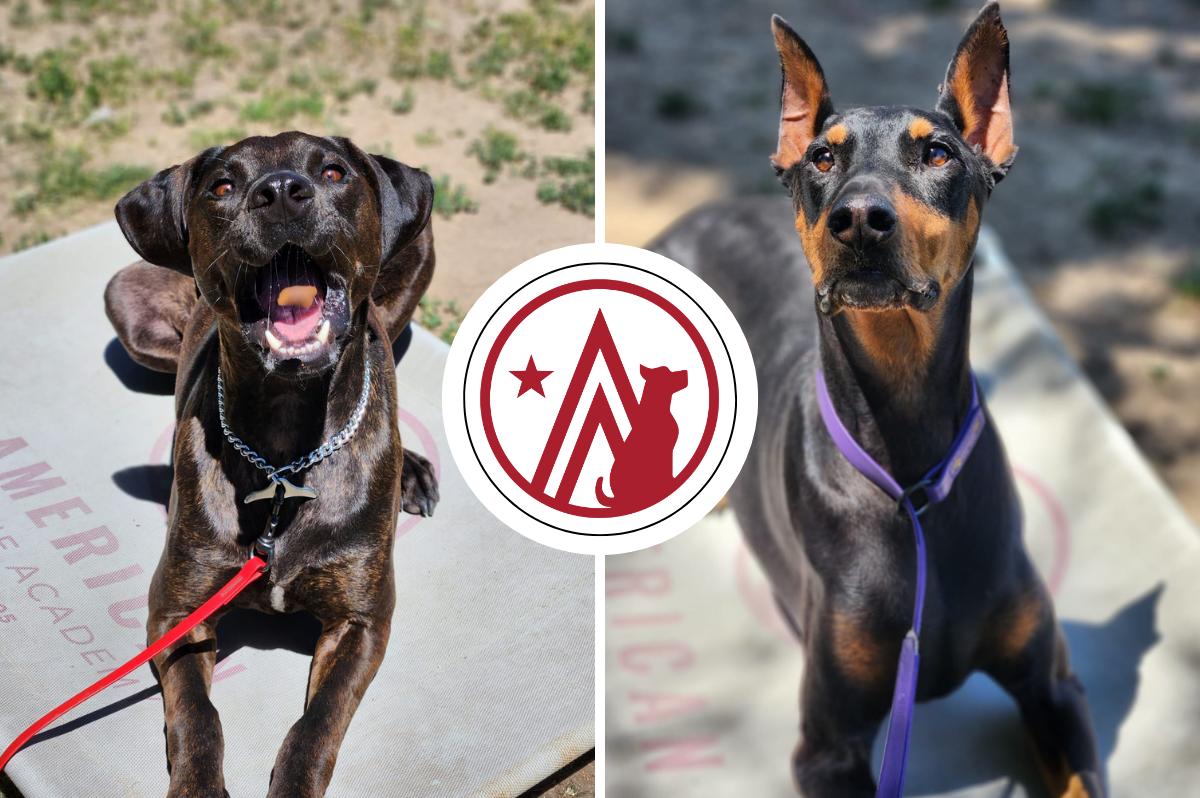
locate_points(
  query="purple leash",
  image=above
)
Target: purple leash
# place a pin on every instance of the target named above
(936, 485)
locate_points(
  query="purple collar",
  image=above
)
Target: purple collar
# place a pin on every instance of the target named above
(936, 486)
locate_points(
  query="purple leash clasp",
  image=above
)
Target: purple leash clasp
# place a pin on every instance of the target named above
(936, 486)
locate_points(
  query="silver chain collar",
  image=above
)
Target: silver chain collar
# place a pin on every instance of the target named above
(313, 457)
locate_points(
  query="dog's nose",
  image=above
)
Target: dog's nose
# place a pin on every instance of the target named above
(282, 196)
(862, 220)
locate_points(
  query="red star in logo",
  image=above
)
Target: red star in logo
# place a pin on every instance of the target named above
(531, 378)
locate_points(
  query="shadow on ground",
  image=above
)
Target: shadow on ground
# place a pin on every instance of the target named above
(979, 729)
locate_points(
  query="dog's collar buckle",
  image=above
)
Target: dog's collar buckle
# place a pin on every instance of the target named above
(264, 546)
(278, 483)
(909, 492)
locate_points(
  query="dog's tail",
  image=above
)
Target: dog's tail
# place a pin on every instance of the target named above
(601, 496)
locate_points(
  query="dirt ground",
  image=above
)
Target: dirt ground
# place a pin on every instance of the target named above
(1099, 212)
(95, 95)
(577, 780)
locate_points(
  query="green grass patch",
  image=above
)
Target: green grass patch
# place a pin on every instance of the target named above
(407, 102)
(199, 34)
(427, 138)
(678, 105)
(571, 183)
(1187, 283)
(203, 139)
(1122, 203)
(449, 199)
(624, 40)
(87, 10)
(280, 107)
(22, 15)
(1103, 104)
(111, 80)
(174, 116)
(529, 106)
(361, 86)
(52, 77)
(63, 175)
(408, 59)
(439, 65)
(29, 240)
(442, 319)
(495, 150)
(28, 133)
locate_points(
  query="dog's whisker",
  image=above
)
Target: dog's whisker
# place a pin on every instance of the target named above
(209, 266)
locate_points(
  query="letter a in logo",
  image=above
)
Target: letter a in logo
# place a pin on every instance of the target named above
(599, 399)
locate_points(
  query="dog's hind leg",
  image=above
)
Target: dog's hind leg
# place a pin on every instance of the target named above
(1029, 658)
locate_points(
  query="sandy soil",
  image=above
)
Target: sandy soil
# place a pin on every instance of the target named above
(1099, 212)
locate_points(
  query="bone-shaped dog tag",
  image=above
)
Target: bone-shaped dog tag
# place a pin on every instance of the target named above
(290, 491)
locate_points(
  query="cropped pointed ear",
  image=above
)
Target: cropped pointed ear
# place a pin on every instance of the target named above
(975, 94)
(405, 198)
(152, 216)
(804, 102)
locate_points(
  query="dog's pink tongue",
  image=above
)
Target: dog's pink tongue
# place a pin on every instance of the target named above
(296, 322)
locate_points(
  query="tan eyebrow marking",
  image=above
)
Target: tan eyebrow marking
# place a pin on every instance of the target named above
(920, 127)
(837, 134)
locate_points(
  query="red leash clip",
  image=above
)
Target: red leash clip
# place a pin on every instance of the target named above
(250, 571)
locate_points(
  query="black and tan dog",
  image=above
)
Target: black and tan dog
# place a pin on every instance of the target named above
(887, 203)
(289, 263)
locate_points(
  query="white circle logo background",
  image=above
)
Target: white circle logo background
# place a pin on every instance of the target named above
(553, 335)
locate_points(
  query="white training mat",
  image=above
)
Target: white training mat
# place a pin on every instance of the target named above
(703, 676)
(488, 682)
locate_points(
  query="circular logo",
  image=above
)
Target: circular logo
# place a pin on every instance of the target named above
(599, 399)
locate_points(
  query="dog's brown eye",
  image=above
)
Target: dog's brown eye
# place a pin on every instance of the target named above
(333, 174)
(936, 155)
(823, 160)
(223, 189)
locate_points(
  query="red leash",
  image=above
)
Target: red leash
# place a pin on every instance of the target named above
(250, 571)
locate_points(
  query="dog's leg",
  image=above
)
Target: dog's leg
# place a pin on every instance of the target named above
(839, 719)
(348, 654)
(1029, 658)
(195, 746)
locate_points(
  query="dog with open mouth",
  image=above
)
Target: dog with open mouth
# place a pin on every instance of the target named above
(277, 273)
(860, 335)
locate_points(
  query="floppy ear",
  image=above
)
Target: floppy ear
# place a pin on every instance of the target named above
(804, 104)
(152, 215)
(975, 94)
(149, 307)
(406, 203)
(405, 198)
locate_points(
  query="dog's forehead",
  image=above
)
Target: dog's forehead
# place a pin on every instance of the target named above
(884, 125)
(291, 150)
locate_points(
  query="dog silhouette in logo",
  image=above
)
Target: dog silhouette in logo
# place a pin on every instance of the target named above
(643, 471)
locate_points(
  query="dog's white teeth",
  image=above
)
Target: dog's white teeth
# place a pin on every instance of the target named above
(323, 333)
(275, 343)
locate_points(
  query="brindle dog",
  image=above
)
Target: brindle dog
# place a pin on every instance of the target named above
(887, 204)
(288, 262)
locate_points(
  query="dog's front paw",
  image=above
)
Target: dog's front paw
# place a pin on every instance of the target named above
(418, 485)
